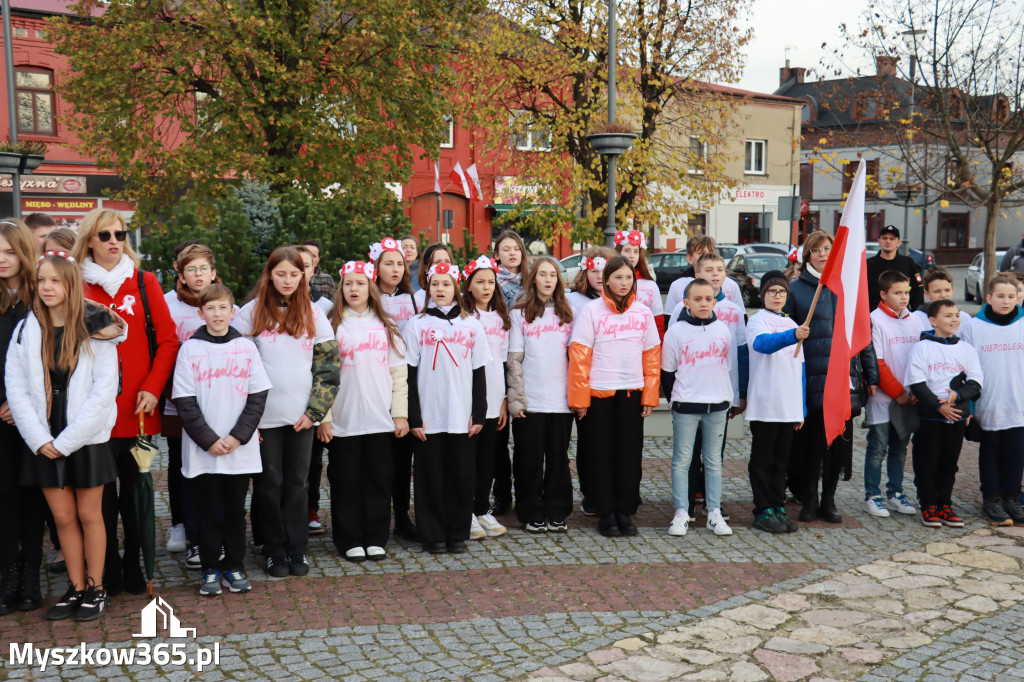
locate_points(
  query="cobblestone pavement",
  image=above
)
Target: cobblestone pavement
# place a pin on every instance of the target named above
(521, 605)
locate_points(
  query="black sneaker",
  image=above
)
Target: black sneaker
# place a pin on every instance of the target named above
(1014, 509)
(586, 508)
(536, 527)
(501, 507)
(192, 560)
(93, 604)
(769, 522)
(626, 525)
(277, 566)
(780, 514)
(557, 526)
(298, 565)
(66, 605)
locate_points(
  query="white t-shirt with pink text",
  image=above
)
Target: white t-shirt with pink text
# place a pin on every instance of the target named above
(618, 341)
(220, 376)
(289, 364)
(648, 293)
(497, 343)
(186, 322)
(544, 344)
(699, 357)
(363, 404)
(399, 306)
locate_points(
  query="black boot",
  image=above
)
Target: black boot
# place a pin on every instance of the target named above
(31, 597)
(10, 586)
(809, 512)
(1011, 503)
(994, 510)
(828, 511)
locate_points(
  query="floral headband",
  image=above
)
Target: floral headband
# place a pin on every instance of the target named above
(596, 264)
(796, 255)
(634, 237)
(63, 254)
(378, 249)
(359, 267)
(443, 268)
(481, 263)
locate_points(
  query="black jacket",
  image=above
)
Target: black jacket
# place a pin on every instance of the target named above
(8, 321)
(818, 346)
(905, 264)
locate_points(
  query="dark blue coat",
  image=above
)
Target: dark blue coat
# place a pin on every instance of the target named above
(818, 346)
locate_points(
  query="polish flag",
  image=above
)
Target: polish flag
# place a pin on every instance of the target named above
(474, 177)
(457, 175)
(437, 177)
(845, 275)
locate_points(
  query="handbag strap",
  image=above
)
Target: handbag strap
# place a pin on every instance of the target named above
(150, 329)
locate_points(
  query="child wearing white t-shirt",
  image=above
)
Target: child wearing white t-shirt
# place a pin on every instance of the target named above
(482, 299)
(371, 410)
(775, 402)
(300, 354)
(447, 355)
(220, 390)
(394, 281)
(538, 369)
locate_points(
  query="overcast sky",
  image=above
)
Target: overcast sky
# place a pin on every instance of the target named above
(802, 27)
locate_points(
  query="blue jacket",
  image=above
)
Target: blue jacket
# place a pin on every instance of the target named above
(818, 346)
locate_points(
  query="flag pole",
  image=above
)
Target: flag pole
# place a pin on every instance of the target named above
(810, 316)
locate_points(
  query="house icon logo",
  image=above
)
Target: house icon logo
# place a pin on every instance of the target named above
(159, 611)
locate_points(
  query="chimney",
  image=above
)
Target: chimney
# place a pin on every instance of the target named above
(885, 65)
(795, 73)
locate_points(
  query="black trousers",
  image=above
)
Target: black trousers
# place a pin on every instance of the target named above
(359, 469)
(279, 497)
(119, 499)
(1001, 462)
(485, 444)
(541, 466)
(812, 459)
(769, 456)
(613, 434)
(443, 480)
(935, 456)
(316, 470)
(502, 468)
(221, 513)
(581, 458)
(22, 509)
(174, 480)
(401, 481)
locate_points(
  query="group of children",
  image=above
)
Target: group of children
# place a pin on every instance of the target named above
(424, 383)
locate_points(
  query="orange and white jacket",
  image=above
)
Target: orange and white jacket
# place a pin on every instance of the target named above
(611, 351)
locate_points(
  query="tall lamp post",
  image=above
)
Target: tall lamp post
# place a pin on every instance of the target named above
(11, 103)
(912, 34)
(611, 144)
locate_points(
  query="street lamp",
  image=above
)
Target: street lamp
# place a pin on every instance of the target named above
(912, 34)
(11, 111)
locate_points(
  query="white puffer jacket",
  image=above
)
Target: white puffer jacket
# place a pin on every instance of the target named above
(92, 389)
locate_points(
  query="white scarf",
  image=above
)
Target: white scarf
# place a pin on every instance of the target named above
(110, 280)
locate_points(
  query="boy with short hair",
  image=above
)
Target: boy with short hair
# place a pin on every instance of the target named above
(220, 390)
(695, 377)
(697, 246)
(944, 375)
(1019, 276)
(938, 286)
(894, 332)
(997, 334)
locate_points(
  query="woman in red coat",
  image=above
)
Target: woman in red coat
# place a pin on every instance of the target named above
(111, 275)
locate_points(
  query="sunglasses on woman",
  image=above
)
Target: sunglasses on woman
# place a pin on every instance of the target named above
(120, 235)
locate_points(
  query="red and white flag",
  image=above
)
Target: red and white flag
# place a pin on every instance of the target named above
(457, 175)
(437, 177)
(845, 275)
(474, 177)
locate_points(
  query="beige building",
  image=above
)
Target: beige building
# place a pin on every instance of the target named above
(760, 153)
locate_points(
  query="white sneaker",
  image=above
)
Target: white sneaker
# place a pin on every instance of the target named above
(900, 503)
(176, 539)
(717, 524)
(876, 507)
(476, 531)
(680, 522)
(491, 525)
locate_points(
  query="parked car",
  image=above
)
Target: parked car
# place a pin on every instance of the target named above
(728, 251)
(572, 266)
(974, 280)
(746, 269)
(668, 267)
(924, 259)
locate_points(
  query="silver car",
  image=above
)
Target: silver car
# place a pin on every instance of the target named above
(974, 281)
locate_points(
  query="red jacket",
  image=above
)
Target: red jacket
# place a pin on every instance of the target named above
(138, 371)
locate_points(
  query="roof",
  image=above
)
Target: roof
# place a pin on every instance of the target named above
(833, 100)
(737, 92)
(48, 7)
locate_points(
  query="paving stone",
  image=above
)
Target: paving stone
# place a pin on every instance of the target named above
(794, 646)
(786, 667)
(759, 616)
(834, 617)
(646, 669)
(746, 672)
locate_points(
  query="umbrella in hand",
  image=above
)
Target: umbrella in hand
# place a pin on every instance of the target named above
(144, 451)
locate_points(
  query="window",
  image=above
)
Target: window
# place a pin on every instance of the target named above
(698, 153)
(754, 161)
(527, 135)
(750, 228)
(865, 107)
(449, 140)
(873, 222)
(953, 230)
(871, 181)
(34, 93)
(809, 223)
(697, 223)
